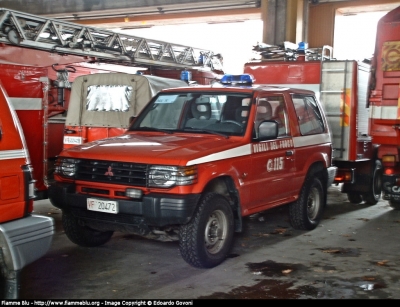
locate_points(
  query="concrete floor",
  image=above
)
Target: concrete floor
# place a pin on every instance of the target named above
(352, 254)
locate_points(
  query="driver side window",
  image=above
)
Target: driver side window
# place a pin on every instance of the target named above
(272, 108)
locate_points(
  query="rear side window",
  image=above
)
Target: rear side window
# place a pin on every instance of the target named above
(114, 98)
(309, 115)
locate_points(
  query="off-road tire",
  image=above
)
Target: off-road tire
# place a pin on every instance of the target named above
(207, 239)
(373, 195)
(82, 235)
(354, 197)
(306, 212)
(394, 205)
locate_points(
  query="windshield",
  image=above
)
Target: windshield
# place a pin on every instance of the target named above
(220, 113)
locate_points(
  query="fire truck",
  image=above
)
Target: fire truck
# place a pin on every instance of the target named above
(40, 58)
(384, 102)
(361, 101)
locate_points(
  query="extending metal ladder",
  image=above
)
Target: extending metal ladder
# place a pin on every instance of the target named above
(27, 30)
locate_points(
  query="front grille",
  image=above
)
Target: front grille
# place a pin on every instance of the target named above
(112, 172)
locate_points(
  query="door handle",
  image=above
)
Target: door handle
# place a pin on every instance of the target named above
(289, 152)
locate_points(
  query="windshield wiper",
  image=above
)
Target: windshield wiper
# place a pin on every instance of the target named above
(152, 129)
(206, 131)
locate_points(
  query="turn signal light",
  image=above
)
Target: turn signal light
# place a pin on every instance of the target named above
(344, 176)
(389, 160)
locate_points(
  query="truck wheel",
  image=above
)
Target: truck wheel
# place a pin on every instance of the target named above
(394, 205)
(82, 235)
(206, 240)
(354, 198)
(374, 192)
(306, 212)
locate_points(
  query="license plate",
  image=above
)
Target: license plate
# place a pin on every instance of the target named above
(74, 140)
(107, 206)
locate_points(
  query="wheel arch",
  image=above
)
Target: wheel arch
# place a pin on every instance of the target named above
(318, 169)
(318, 162)
(225, 186)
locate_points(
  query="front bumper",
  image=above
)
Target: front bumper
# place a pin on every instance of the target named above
(153, 210)
(25, 240)
(331, 175)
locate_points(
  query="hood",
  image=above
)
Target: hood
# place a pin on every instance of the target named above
(156, 148)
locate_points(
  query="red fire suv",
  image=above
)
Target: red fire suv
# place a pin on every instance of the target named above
(195, 161)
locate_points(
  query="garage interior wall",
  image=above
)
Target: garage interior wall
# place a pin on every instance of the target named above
(321, 23)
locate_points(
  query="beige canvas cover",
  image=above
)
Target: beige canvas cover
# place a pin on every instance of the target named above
(138, 90)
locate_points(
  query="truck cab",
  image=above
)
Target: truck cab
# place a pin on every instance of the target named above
(195, 162)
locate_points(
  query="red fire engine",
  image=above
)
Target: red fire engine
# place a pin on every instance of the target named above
(384, 103)
(361, 102)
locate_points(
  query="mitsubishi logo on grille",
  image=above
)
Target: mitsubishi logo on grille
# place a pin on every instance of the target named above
(109, 172)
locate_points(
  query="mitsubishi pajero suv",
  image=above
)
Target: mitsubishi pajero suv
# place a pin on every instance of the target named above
(196, 161)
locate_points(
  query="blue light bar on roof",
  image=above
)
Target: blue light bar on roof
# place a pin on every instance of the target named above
(186, 76)
(237, 79)
(303, 46)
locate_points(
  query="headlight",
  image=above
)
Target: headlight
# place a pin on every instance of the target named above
(164, 176)
(66, 167)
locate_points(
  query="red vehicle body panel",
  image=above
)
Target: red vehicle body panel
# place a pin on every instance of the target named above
(284, 72)
(385, 95)
(24, 81)
(203, 77)
(24, 235)
(13, 203)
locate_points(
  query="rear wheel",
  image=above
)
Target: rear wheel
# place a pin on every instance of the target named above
(206, 240)
(306, 212)
(374, 192)
(82, 235)
(354, 197)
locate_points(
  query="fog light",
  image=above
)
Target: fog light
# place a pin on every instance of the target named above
(133, 193)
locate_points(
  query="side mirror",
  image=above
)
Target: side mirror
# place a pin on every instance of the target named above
(267, 130)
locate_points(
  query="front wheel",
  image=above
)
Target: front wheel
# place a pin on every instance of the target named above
(206, 240)
(82, 235)
(306, 212)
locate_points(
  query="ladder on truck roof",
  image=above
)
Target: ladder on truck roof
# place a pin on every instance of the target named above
(31, 31)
